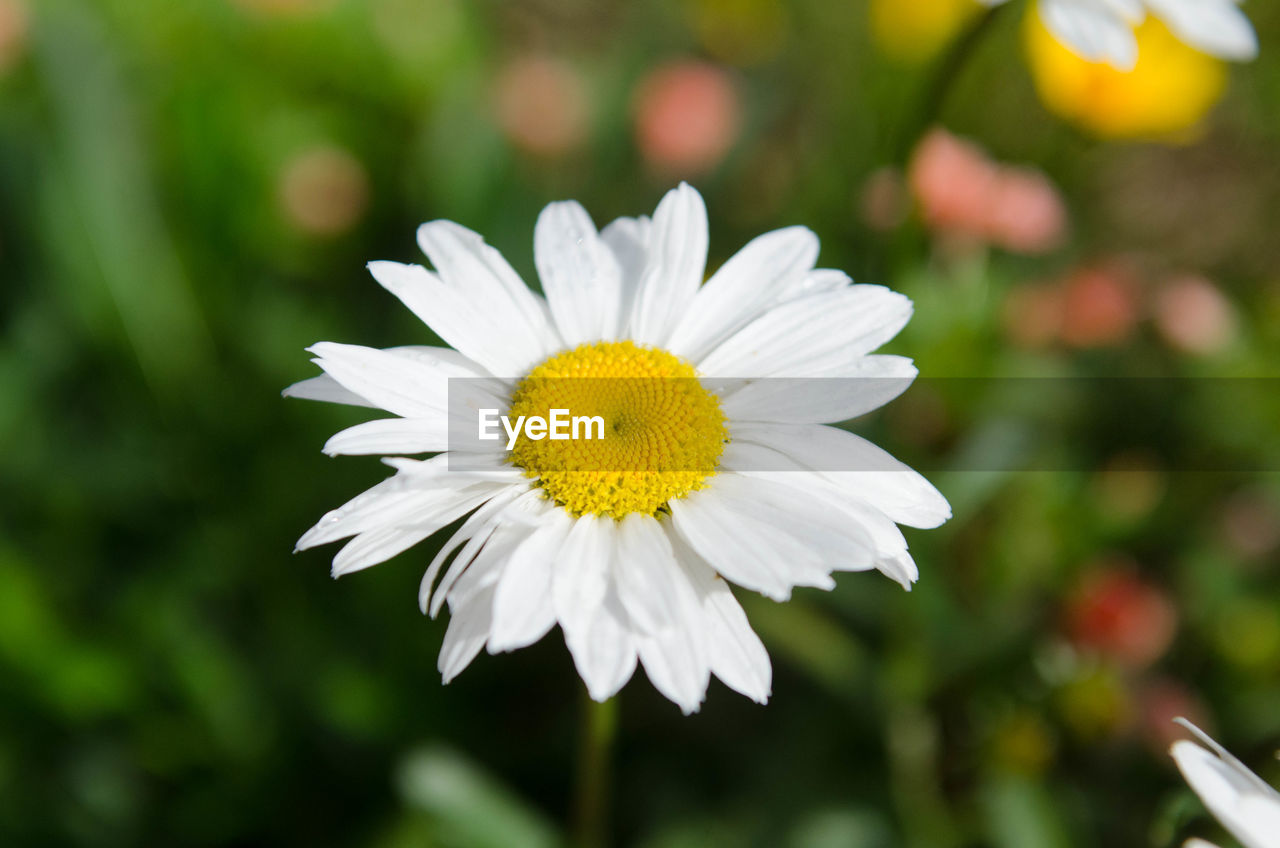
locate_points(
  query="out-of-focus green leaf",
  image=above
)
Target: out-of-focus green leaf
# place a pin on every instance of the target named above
(473, 809)
(103, 215)
(841, 829)
(1022, 814)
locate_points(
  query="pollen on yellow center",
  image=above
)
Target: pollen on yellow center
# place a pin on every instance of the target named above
(662, 438)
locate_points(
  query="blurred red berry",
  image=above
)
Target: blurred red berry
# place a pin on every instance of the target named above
(1119, 615)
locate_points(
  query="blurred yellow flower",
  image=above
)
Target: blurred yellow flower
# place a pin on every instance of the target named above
(916, 30)
(1170, 89)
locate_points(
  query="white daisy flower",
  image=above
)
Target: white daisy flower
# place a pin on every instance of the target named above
(1246, 806)
(1102, 30)
(633, 563)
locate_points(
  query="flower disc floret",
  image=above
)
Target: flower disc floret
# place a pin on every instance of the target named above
(663, 431)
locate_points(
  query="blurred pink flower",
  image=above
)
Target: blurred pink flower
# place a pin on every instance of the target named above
(1116, 613)
(962, 192)
(1099, 306)
(541, 104)
(14, 21)
(323, 190)
(1194, 316)
(953, 181)
(1025, 214)
(687, 116)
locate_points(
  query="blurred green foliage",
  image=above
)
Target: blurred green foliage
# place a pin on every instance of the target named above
(188, 192)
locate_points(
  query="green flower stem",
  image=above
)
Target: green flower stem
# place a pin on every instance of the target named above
(591, 813)
(948, 70)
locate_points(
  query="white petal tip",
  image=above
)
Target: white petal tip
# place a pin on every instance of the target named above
(306, 542)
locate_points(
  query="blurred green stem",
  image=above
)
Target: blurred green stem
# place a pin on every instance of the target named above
(591, 812)
(942, 80)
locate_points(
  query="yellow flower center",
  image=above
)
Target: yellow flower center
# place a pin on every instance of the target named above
(1165, 96)
(663, 432)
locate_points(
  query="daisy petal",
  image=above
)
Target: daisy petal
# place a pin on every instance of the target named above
(1217, 27)
(674, 668)
(867, 386)
(479, 523)
(1242, 776)
(1260, 817)
(479, 563)
(879, 479)
(754, 277)
(767, 537)
(735, 652)
(373, 510)
(327, 389)
(1232, 797)
(1095, 33)
(581, 577)
(677, 259)
(817, 281)
(391, 436)
(579, 274)
(388, 504)
(481, 567)
(522, 607)
(650, 586)
(1132, 11)
(468, 629)
(461, 319)
(786, 341)
(397, 384)
(398, 501)
(890, 547)
(470, 267)
(602, 649)
(675, 658)
(377, 546)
